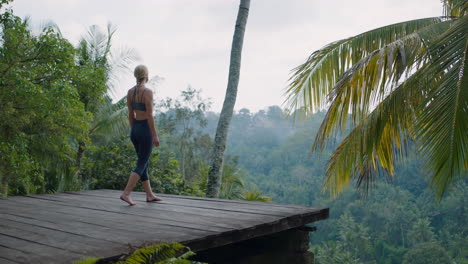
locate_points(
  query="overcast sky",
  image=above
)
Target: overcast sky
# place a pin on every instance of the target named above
(188, 42)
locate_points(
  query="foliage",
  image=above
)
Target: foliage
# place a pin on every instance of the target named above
(184, 143)
(273, 155)
(38, 130)
(160, 253)
(354, 237)
(54, 102)
(232, 185)
(109, 166)
(421, 232)
(4, 2)
(427, 253)
(180, 126)
(86, 261)
(98, 66)
(256, 196)
(332, 252)
(267, 155)
(402, 82)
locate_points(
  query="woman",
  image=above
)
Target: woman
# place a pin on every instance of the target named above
(143, 133)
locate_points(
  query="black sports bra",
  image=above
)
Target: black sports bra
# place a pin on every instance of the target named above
(138, 105)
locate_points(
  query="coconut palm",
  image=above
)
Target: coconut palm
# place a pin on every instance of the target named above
(255, 195)
(401, 83)
(100, 66)
(216, 168)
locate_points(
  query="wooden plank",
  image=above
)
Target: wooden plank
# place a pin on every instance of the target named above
(248, 210)
(54, 254)
(266, 204)
(238, 235)
(77, 222)
(18, 256)
(156, 233)
(82, 244)
(94, 231)
(5, 260)
(250, 207)
(114, 219)
(148, 234)
(50, 240)
(185, 204)
(179, 219)
(300, 223)
(212, 213)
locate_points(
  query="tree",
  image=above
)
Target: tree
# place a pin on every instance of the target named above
(215, 172)
(4, 2)
(427, 253)
(400, 83)
(98, 70)
(421, 232)
(181, 126)
(354, 237)
(40, 108)
(332, 252)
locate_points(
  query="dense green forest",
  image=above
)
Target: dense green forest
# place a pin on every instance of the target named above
(400, 221)
(61, 131)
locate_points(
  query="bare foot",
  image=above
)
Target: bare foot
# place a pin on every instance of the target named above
(152, 198)
(127, 199)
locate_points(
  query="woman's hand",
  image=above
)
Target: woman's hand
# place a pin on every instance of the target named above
(156, 141)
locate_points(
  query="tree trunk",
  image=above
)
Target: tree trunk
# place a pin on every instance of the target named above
(4, 186)
(79, 156)
(216, 168)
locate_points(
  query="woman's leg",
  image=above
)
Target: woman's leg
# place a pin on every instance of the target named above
(132, 180)
(150, 197)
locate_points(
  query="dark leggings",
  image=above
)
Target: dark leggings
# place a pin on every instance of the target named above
(143, 142)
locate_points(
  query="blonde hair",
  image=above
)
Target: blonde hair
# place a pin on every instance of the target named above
(140, 73)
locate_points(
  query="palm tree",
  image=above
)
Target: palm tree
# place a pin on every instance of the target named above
(255, 195)
(100, 67)
(215, 172)
(397, 84)
(421, 232)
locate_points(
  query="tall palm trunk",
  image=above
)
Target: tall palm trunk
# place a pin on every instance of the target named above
(216, 168)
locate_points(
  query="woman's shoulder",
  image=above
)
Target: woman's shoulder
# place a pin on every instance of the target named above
(147, 90)
(131, 90)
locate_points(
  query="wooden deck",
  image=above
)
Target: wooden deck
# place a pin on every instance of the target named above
(62, 227)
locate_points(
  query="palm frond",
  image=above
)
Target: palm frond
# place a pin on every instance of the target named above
(256, 196)
(156, 253)
(119, 62)
(377, 141)
(232, 185)
(312, 81)
(456, 8)
(372, 78)
(110, 120)
(443, 124)
(431, 107)
(86, 261)
(49, 24)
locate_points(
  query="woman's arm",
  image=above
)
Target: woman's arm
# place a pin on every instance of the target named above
(131, 114)
(150, 117)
